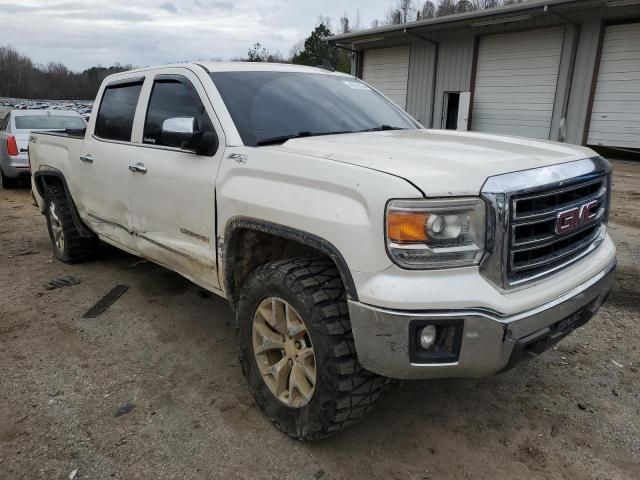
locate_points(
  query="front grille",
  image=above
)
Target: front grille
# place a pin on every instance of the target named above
(550, 229)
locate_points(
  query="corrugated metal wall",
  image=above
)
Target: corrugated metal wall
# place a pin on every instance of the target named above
(456, 56)
(421, 65)
(420, 91)
(615, 119)
(455, 62)
(582, 80)
(516, 82)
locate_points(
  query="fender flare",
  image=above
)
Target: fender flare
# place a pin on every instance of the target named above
(305, 238)
(40, 180)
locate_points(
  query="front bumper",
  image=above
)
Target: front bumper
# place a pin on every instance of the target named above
(489, 342)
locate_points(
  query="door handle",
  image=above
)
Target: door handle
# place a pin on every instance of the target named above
(138, 168)
(87, 158)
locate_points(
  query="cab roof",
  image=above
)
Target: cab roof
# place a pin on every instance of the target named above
(213, 67)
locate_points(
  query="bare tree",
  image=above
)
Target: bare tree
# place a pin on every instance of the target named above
(356, 22)
(324, 20)
(393, 17)
(297, 48)
(483, 4)
(403, 12)
(407, 10)
(428, 10)
(344, 23)
(464, 6)
(446, 7)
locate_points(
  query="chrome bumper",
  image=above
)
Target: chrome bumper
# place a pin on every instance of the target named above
(490, 342)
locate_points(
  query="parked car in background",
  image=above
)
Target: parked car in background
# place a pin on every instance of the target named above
(14, 138)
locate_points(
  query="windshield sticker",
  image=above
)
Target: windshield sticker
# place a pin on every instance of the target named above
(357, 86)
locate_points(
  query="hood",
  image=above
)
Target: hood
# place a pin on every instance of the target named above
(439, 162)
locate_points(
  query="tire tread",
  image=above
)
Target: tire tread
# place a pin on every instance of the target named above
(357, 389)
(78, 249)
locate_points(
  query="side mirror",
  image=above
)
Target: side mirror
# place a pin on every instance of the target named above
(181, 132)
(177, 132)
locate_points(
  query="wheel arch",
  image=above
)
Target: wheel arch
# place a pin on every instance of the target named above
(47, 178)
(243, 233)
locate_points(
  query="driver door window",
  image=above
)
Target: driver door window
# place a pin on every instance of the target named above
(172, 99)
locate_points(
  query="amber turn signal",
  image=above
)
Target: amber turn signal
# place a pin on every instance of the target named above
(407, 227)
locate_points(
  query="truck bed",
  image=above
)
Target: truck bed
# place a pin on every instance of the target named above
(55, 150)
(77, 133)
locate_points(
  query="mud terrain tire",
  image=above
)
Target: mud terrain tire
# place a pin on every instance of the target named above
(344, 392)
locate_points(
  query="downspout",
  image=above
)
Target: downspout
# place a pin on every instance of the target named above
(354, 53)
(435, 72)
(572, 67)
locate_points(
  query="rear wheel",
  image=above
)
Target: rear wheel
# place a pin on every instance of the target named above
(67, 243)
(297, 351)
(8, 183)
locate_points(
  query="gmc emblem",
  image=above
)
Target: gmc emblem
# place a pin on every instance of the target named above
(571, 220)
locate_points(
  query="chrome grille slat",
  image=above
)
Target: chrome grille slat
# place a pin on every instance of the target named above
(550, 239)
(551, 211)
(557, 256)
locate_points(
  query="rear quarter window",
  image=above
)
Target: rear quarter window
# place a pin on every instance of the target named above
(117, 111)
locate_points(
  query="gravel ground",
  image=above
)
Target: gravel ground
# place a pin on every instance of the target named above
(166, 348)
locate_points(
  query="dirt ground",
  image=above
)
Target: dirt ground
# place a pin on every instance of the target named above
(167, 348)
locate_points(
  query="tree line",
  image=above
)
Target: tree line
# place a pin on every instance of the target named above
(405, 11)
(20, 77)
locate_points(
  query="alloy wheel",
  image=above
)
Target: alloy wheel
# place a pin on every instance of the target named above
(56, 227)
(283, 352)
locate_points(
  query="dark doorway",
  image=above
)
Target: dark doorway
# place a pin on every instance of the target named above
(451, 104)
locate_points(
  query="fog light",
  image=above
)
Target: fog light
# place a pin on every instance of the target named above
(428, 337)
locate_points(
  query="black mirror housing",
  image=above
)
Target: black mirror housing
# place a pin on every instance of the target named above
(203, 143)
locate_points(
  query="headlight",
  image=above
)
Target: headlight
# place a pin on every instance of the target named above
(444, 233)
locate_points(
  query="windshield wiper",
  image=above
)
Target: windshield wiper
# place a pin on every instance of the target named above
(381, 128)
(306, 133)
(303, 134)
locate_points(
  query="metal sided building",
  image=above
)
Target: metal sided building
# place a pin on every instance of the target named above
(564, 70)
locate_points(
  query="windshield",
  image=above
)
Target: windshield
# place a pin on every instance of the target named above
(48, 122)
(271, 107)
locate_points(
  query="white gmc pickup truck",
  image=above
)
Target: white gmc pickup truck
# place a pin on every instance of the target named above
(353, 244)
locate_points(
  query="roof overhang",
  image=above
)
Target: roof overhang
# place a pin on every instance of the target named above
(479, 18)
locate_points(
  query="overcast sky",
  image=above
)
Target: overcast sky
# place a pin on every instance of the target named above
(81, 34)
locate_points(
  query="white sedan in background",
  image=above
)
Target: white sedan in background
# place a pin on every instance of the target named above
(14, 138)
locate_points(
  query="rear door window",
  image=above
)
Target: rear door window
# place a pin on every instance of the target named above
(117, 111)
(173, 97)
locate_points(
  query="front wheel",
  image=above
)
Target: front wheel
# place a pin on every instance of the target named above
(297, 351)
